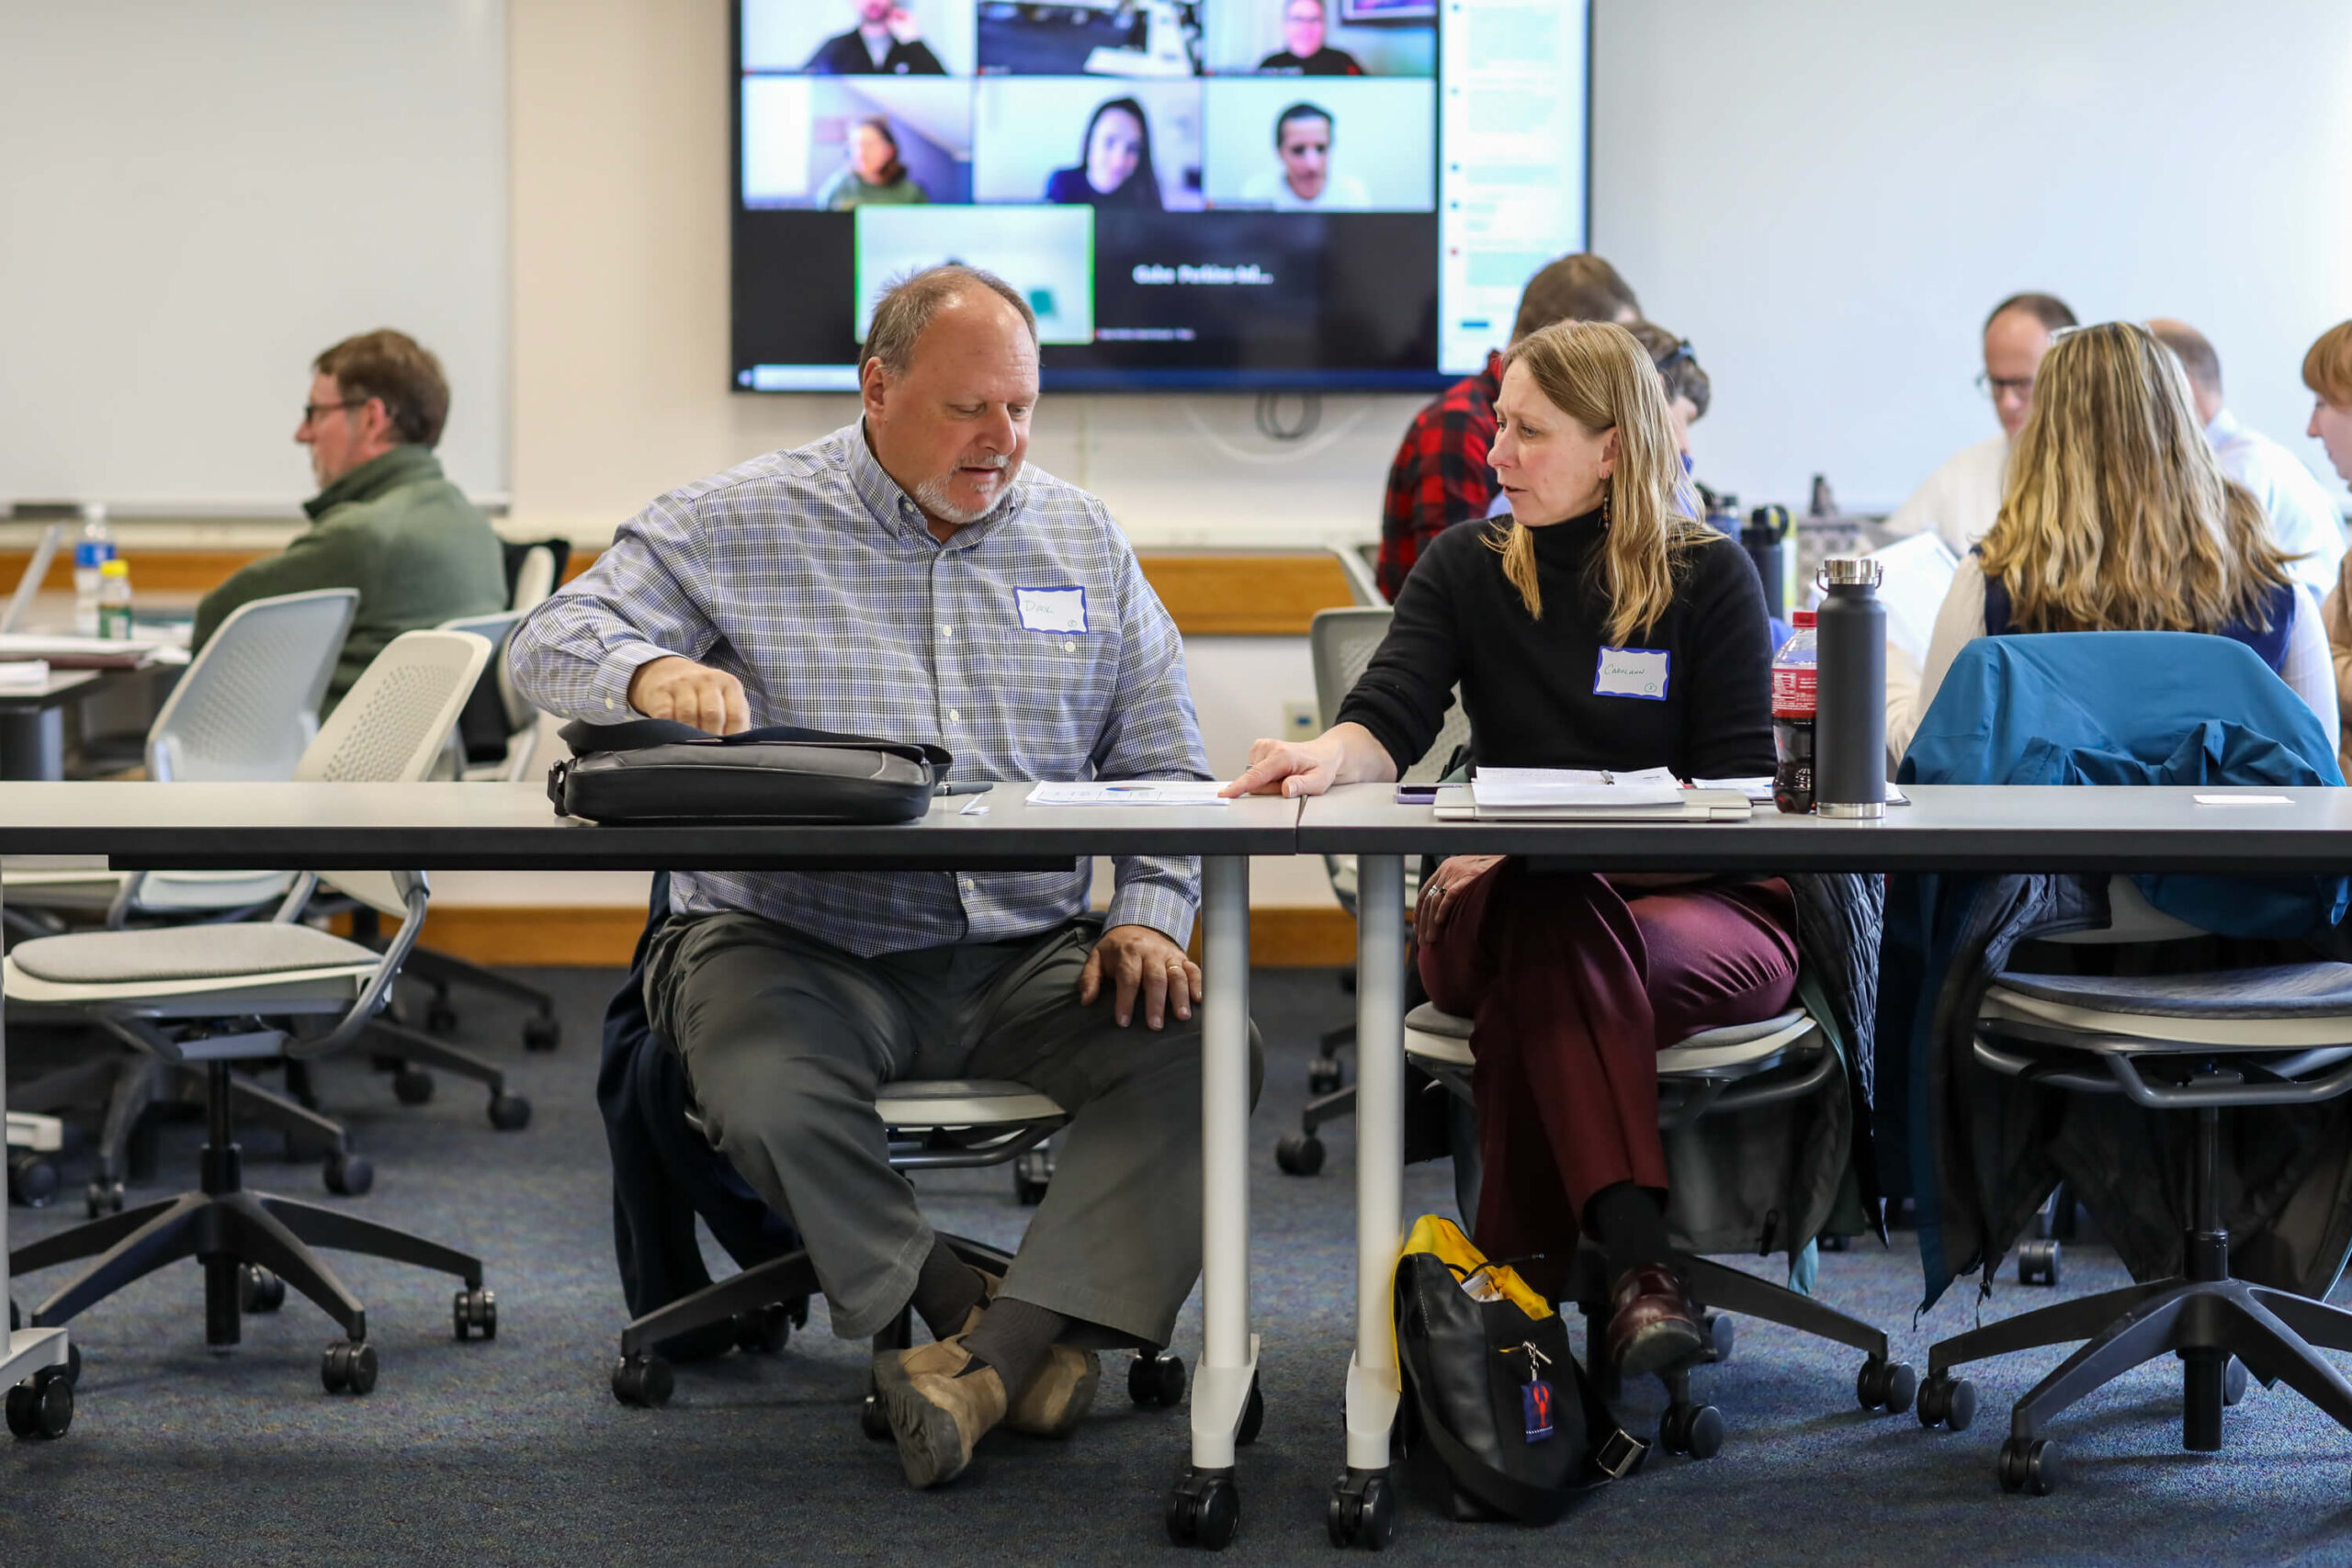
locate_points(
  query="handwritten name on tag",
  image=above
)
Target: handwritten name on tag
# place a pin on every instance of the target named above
(1051, 609)
(1639, 672)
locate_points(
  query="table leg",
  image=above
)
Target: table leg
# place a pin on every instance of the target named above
(1363, 1509)
(32, 745)
(1203, 1509)
(43, 1406)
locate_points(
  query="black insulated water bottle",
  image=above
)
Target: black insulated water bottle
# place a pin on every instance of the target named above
(1850, 750)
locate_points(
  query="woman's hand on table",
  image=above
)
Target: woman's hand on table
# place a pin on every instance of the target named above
(1345, 754)
(1441, 893)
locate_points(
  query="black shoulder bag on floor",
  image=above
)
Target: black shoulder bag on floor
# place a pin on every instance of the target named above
(657, 771)
(1500, 1422)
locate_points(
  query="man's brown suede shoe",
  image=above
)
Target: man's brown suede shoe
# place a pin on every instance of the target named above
(936, 1417)
(1063, 1391)
(1652, 1325)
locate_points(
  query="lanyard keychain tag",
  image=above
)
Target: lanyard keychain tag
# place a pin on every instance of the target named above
(1535, 1397)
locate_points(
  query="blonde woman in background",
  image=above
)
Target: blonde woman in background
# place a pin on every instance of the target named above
(1599, 626)
(2117, 517)
(2327, 371)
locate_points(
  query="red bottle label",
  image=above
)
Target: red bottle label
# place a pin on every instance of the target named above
(1795, 691)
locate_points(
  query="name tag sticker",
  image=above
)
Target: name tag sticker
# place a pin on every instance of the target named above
(1638, 672)
(1051, 609)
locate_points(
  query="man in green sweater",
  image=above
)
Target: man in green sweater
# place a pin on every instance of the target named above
(384, 520)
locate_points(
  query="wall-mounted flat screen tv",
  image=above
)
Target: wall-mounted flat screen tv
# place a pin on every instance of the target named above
(1243, 195)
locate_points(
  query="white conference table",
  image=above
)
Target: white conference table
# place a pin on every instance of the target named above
(1945, 828)
(323, 827)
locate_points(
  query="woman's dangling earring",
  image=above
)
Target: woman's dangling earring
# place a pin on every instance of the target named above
(1606, 487)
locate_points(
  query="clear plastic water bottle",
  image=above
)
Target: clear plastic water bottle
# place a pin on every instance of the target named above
(1796, 702)
(114, 600)
(91, 553)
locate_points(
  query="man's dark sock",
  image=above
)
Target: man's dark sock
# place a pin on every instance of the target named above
(1629, 1223)
(947, 1290)
(1013, 1337)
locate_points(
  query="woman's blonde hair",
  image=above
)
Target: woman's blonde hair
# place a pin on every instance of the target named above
(2117, 517)
(1597, 373)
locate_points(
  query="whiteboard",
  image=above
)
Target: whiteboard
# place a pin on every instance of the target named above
(196, 200)
(1826, 197)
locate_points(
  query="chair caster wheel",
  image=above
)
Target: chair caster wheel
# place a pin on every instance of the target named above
(1299, 1154)
(1363, 1511)
(1696, 1430)
(74, 1365)
(1947, 1401)
(1722, 1331)
(412, 1086)
(440, 1018)
(349, 1174)
(873, 1420)
(1157, 1381)
(102, 1197)
(1885, 1385)
(509, 1112)
(2027, 1464)
(541, 1034)
(1205, 1510)
(42, 1405)
(764, 1330)
(1031, 1174)
(258, 1289)
(643, 1381)
(348, 1368)
(1253, 1418)
(2038, 1263)
(32, 1180)
(474, 1313)
(2233, 1381)
(1323, 1077)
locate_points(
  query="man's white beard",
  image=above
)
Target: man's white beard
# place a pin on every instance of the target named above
(932, 496)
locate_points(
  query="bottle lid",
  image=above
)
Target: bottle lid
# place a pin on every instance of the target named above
(1852, 571)
(1800, 619)
(115, 567)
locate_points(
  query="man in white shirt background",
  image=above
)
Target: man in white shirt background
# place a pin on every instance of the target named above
(1304, 182)
(2303, 521)
(1960, 500)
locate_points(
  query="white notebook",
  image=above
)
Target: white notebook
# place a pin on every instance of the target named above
(1504, 788)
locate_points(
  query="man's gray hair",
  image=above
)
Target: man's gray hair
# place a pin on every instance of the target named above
(908, 303)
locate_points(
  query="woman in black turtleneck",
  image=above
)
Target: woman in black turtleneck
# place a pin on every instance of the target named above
(1574, 981)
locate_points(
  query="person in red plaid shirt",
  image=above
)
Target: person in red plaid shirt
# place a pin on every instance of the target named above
(1440, 477)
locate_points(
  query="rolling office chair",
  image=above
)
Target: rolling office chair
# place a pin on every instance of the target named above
(495, 738)
(2197, 1044)
(1719, 1073)
(246, 708)
(212, 995)
(1356, 566)
(1341, 643)
(945, 1125)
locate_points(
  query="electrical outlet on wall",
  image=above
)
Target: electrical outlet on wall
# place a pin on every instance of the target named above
(1298, 721)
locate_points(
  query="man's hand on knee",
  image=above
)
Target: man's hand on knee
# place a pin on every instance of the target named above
(1138, 959)
(676, 688)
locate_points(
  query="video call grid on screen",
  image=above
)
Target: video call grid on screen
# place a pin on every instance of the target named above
(1191, 193)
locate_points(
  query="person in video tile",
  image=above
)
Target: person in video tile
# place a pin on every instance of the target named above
(1304, 53)
(884, 42)
(873, 176)
(1115, 167)
(1303, 138)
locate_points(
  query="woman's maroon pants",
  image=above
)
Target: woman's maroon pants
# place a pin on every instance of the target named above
(1572, 988)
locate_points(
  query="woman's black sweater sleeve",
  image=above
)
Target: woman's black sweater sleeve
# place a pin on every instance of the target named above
(1404, 693)
(1729, 723)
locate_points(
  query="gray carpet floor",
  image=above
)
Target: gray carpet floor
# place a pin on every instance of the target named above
(515, 1451)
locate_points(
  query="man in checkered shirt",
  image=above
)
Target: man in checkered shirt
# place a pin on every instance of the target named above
(1441, 477)
(906, 577)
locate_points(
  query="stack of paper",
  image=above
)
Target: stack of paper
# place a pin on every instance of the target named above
(77, 652)
(1129, 791)
(1525, 788)
(23, 674)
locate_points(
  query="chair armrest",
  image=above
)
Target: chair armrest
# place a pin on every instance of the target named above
(380, 985)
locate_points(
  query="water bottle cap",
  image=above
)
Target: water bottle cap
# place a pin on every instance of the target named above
(115, 568)
(1800, 619)
(1852, 571)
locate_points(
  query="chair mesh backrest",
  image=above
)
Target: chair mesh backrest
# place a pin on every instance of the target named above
(1341, 643)
(390, 729)
(535, 580)
(248, 706)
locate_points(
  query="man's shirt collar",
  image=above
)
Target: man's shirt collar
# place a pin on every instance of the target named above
(889, 505)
